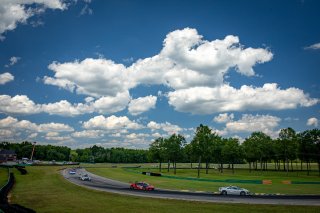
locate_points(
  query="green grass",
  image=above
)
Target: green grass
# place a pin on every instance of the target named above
(240, 174)
(3, 176)
(45, 190)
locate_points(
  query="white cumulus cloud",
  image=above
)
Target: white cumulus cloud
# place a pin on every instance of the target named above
(312, 122)
(205, 100)
(94, 77)
(111, 104)
(111, 123)
(13, 12)
(223, 118)
(19, 104)
(5, 78)
(193, 67)
(142, 104)
(65, 108)
(166, 127)
(55, 127)
(11, 128)
(253, 123)
(88, 134)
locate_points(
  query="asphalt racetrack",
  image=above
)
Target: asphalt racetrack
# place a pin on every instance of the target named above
(113, 186)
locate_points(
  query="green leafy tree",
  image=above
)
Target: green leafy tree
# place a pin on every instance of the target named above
(231, 151)
(174, 148)
(201, 145)
(309, 147)
(190, 155)
(288, 140)
(250, 152)
(156, 151)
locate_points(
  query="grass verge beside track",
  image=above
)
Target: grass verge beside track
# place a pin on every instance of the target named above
(45, 190)
(3, 176)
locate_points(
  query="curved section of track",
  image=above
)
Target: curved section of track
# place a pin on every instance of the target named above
(109, 185)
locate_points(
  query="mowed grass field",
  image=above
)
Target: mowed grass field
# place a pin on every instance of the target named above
(45, 190)
(204, 184)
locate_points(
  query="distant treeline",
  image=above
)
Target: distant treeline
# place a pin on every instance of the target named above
(41, 152)
(93, 154)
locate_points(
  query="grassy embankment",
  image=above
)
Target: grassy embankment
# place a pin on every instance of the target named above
(277, 179)
(45, 190)
(3, 176)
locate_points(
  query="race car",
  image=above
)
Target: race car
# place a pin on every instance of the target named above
(85, 177)
(142, 186)
(233, 190)
(72, 172)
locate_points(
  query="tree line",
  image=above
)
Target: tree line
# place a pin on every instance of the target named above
(94, 154)
(206, 147)
(257, 150)
(41, 152)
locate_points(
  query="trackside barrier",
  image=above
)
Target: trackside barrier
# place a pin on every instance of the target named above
(151, 174)
(305, 182)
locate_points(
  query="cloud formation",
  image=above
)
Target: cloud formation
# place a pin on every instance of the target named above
(248, 123)
(166, 127)
(253, 123)
(5, 78)
(312, 122)
(142, 104)
(13, 12)
(11, 128)
(192, 67)
(21, 104)
(313, 47)
(205, 100)
(13, 61)
(111, 123)
(223, 118)
(186, 60)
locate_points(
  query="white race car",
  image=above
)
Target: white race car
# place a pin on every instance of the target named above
(72, 172)
(233, 190)
(85, 177)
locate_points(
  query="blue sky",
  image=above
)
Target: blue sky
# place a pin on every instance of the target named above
(122, 73)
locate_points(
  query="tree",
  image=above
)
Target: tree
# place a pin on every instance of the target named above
(309, 147)
(174, 148)
(217, 147)
(258, 148)
(316, 140)
(156, 151)
(250, 151)
(288, 142)
(191, 156)
(201, 145)
(231, 151)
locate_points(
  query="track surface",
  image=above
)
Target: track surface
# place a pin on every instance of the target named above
(109, 185)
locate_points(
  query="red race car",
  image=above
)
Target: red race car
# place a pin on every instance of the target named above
(142, 186)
